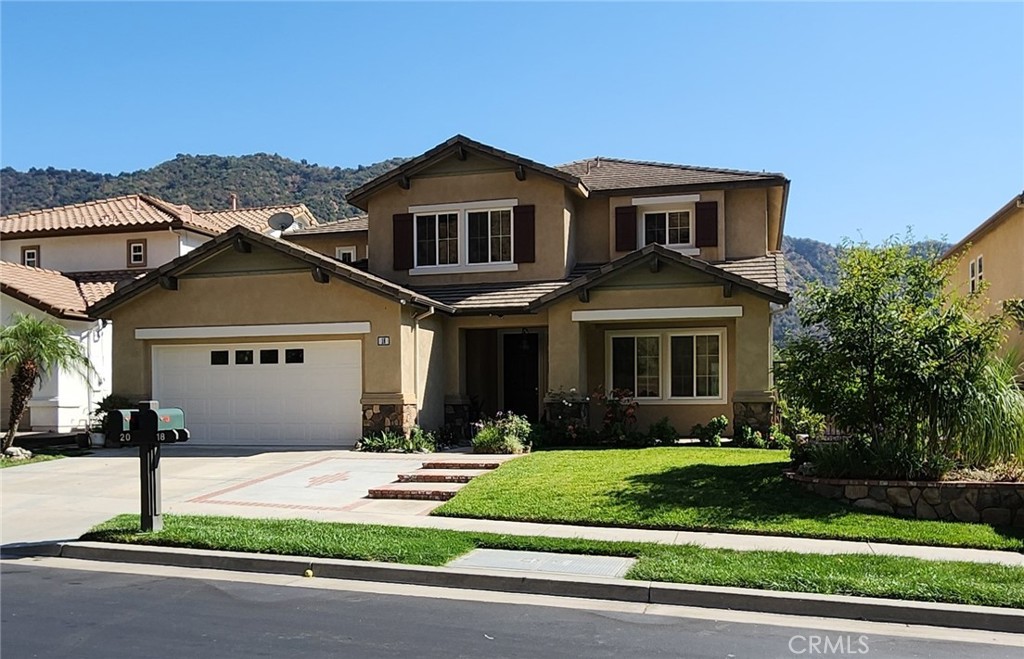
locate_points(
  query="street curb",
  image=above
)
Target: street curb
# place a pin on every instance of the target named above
(870, 609)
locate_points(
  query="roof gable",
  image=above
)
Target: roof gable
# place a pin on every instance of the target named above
(243, 238)
(988, 225)
(460, 148)
(651, 254)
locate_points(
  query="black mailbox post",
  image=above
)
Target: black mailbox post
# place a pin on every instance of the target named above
(148, 428)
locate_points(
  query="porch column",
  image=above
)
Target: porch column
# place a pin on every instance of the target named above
(567, 345)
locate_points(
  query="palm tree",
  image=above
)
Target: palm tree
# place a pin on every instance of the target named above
(31, 347)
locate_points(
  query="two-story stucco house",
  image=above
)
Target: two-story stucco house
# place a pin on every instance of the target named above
(491, 280)
(994, 253)
(55, 262)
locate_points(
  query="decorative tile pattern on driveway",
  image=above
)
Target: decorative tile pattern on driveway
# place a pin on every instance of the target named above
(325, 484)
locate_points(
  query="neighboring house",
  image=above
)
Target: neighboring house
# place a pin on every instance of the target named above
(994, 253)
(57, 261)
(345, 240)
(491, 281)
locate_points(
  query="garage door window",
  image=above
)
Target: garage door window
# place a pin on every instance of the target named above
(218, 357)
(243, 357)
(268, 356)
(294, 356)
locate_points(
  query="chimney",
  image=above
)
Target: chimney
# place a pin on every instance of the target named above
(234, 201)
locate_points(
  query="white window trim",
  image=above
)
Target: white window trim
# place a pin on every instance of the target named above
(685, 248)
(665, 313)
(345, 249)
(141, 253)
(665, 359)
(35, 258)
(674, 199)
(461, 210)
(639, 334)
(511, 236)
(976, 273)
(437, 240)
(245, 331)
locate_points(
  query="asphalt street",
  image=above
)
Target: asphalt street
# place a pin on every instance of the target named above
(62, 613)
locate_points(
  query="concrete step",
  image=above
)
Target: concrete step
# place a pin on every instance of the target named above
(441, 475)
(421, 491)
(460, 464)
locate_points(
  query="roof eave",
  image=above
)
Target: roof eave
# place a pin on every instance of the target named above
(694, 187)
(32, 301)
(86, 231)
(411, 167)
(987, 225)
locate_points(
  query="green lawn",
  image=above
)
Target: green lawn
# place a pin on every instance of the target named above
(692, 488)
(865, 575)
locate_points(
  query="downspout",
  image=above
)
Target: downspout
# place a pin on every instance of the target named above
(416, 350)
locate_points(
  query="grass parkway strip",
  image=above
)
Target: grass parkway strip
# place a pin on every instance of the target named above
(693, 489)
(849, 574)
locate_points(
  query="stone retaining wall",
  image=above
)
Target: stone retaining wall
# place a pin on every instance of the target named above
(998, 504)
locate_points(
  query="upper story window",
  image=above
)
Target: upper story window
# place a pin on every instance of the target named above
(30, 256)
(977, 273)
(136, 253)
(345, 253)
(437, 239)
(669, 228)
(473, 236)
(490, 236)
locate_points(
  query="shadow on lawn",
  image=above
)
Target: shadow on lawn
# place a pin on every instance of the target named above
(725, 494)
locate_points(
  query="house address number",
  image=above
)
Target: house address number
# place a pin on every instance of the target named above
(383, 340)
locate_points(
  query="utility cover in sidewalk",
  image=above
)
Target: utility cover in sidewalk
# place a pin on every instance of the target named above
(537, 561)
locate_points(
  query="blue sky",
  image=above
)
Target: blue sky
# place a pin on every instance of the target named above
(882, 115)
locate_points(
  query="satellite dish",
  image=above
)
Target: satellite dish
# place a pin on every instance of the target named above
(280, 221)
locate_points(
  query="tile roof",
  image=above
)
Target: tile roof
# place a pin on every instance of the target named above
(618, 174)
(344, 225)
(64, 295)
(137, 212)
(767, 270)
(491, 296)
(253, 218)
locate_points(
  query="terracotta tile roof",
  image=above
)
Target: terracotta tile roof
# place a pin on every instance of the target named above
(344, 225)
(138, 212)
(491, 296)
(64, 295)
(126, 211)
(618, 174)
(252, 218)
(767, 270)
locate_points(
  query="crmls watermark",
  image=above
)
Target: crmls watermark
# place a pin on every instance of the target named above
(813, 644)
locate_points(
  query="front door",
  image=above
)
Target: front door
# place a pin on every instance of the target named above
(520, 353)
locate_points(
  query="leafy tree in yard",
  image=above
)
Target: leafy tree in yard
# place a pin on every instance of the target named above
(891, 352)
(29, 348)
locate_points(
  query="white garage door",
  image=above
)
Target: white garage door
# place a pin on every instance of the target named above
(264, 393)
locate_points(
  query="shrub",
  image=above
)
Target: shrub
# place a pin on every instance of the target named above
(563, 433)
(506, 433)
(777, 439)
(711, 434)
(799, 420)
(662, 432)
(747, 437)
(860, 457)
(895, 353)
(618, 425)
(389, 441)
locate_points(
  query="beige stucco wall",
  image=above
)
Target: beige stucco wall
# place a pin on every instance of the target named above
(706, 253)
(746, 226)
(1002, 252)
(593, 234)
(327, 243)
(256, 299)
(546, 194)
(577, 351)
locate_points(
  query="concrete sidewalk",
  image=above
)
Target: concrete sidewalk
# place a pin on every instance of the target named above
(62, 499)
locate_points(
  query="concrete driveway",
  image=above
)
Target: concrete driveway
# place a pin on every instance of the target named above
(61, 499)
